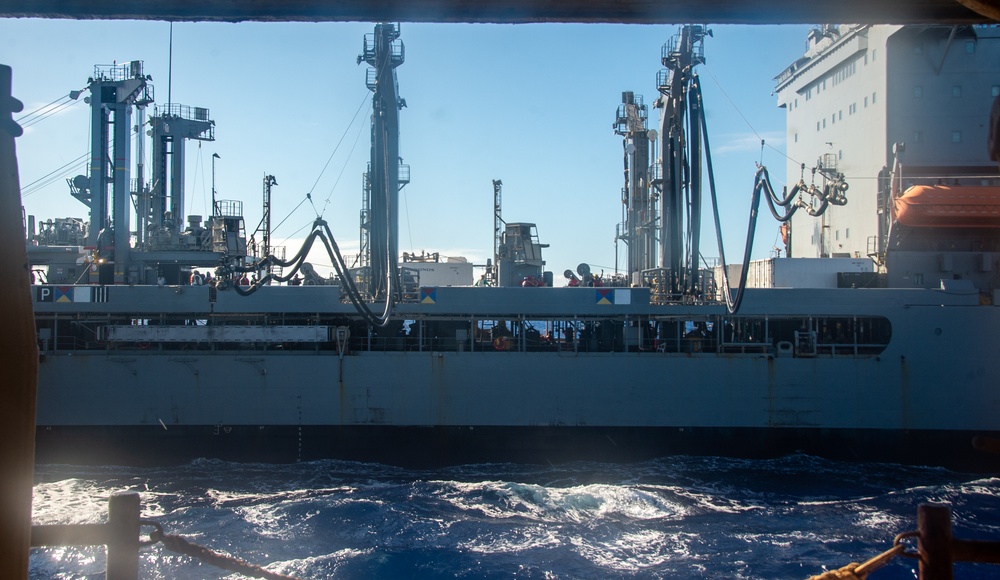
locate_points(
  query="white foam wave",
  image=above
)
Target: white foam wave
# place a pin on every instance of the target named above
(707, 500)
(269, 514)
(513, 541)
(989, 487)
(586, 503)
(636, 551)
(228, 498)
(502, 500)
(880, 520)
(327, 563)
(71, 501)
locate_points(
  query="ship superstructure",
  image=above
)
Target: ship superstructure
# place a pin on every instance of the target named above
(859, 90)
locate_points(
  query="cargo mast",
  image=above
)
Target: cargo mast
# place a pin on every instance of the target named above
(114, 91)
(638, 229)
(384, 52)
(173, 126)
(680, 160)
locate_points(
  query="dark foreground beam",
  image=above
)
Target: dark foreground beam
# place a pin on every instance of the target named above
(517, 11)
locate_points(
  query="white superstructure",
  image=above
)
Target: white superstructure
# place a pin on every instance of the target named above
(859, 89)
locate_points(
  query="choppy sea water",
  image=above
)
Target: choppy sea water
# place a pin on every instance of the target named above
(677, 517)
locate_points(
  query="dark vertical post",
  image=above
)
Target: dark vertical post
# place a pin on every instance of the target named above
(695, 181)
(123, 536)
(383, 174)
(18, 355)
(934, 545)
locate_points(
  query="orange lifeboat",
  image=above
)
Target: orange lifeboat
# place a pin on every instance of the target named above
(949, 206)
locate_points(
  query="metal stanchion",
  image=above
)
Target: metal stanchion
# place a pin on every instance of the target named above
(934, 545)
(123, 536)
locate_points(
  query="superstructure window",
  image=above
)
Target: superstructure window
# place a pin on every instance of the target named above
(918, 91)
(995, 91)
(956, 91)
(844, 72)
(956, 136)
(970, 47)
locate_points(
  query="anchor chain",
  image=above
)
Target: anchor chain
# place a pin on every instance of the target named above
(180, 545)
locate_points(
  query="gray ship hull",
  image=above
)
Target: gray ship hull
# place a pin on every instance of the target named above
(931, 388)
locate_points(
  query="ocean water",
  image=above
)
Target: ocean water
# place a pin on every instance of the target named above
(676, 517)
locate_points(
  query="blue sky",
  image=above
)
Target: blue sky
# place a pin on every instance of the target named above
(532, 105)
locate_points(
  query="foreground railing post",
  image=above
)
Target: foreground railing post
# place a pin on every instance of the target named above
(934, 545)
(18, 355)
(123, 536)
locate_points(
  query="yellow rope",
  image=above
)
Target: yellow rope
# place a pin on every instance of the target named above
(845, 573)
(855, 571)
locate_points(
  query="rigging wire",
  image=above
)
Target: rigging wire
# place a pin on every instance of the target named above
(49, 113)
(304, 199)
(357, 138)
(308, 196)
(49, 109)
(26, 117)
(293, 234)
(52, 176)
(327, 164)
(745, 120)
(58, 173)
(315, 211)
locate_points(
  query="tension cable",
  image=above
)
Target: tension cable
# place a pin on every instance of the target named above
(831, 193)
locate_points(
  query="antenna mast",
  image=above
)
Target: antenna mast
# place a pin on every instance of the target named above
(497, 229)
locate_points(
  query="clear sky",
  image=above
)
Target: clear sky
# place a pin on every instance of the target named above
(532, 105)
